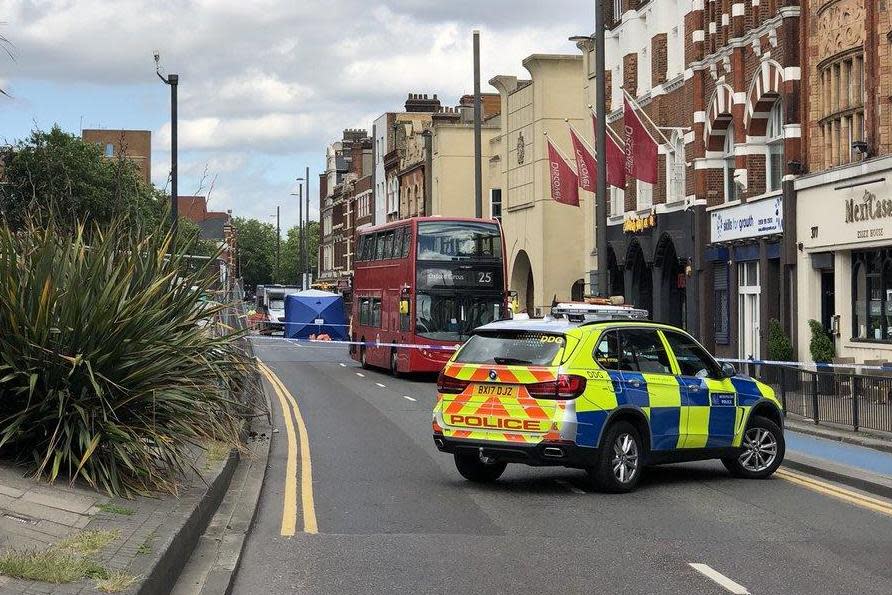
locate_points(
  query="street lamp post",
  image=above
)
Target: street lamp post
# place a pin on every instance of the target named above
(306, 236)
(300, 228)
(278, 245)
(171, 80)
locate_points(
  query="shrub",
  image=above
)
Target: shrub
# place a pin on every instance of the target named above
(105, 370)
(780, 348)
(821, 346)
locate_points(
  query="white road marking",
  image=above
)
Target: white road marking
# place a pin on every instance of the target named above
(360, 374)
(410, 399)
(719, 578)
(380, 385)
(343, 365)
(569, 486)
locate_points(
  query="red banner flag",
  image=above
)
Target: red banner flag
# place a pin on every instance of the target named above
(616, 160)
(585, 162)
(564, 183)
(641, 149)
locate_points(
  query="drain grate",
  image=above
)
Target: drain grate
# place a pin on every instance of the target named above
(25, 520)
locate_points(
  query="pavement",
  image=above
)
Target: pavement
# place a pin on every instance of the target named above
(149, 537)
(357, 499)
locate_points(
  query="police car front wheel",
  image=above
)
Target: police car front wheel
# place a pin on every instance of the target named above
(478, 469)
(763, 450)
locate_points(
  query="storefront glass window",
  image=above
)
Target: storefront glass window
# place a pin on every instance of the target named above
(722, 321)
(872, 295)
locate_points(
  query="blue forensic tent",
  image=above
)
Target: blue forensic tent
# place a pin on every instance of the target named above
(314, 312)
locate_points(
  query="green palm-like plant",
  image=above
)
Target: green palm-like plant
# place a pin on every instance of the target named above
(105, 372)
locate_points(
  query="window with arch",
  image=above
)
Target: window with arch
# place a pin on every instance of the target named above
(675, 168)
(729, 165)
(774, 137)
(842, 106)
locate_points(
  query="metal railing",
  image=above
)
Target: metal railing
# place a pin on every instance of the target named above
(838, 395)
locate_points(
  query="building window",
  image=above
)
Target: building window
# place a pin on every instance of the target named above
(872, 295)
(618, 10)
(109, 150)
(774, 162)
(676, 168)
(842, 107)
(729, 165)
(722, 320)
(645, 195)
(617, 201)
(495, 203)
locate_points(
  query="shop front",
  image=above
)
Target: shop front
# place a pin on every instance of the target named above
(744, 269)
(844, 225)
(649, 258)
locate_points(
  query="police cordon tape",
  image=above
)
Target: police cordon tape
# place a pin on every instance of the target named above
(755, 362)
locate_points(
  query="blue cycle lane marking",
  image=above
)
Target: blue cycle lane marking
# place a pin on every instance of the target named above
(867, 459)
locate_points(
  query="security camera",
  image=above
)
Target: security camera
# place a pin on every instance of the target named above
(157, 57)
(860, 146)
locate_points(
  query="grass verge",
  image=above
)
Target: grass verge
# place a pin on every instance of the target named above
(50, 566)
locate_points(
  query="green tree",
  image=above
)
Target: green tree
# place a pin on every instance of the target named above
(60, 172)
(291, 267)
(257, 251)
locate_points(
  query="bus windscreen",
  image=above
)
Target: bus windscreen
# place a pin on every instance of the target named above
(458, 240)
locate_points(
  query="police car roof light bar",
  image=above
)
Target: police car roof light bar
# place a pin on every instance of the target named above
(588, 313)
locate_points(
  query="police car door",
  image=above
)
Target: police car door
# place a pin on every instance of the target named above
(649, 382)
(709, 399)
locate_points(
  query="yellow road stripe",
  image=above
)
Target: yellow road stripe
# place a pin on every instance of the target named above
(289, 506)
(306, 469)
(849, 496)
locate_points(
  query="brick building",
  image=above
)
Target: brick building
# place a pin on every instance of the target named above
(720, 81)
(346, 202)
(135, 145)
(843, 214)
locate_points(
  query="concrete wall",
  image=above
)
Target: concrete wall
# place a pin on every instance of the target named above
(452, 183)
(536, 227)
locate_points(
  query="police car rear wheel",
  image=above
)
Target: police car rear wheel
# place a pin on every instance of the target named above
(472, 468)
(763, 450)
(620, 462)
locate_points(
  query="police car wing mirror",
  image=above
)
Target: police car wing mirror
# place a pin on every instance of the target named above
(728, 370)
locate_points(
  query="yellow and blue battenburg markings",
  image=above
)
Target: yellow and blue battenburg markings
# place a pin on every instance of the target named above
(683, 412)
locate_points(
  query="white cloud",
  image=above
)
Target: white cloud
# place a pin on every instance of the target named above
(266, 82)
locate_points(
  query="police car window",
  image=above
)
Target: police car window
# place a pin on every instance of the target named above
(641, 350)
(512, 348)
(607, 351)
(692, 359)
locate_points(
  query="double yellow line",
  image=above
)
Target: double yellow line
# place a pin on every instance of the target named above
(291, 413)
(856, 498)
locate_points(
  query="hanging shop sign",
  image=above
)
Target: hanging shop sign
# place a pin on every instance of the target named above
(748, 220)
(634, 224)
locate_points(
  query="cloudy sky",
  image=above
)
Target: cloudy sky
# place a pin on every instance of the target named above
(264, 84)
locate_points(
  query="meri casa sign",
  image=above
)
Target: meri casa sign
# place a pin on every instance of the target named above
(868, 208)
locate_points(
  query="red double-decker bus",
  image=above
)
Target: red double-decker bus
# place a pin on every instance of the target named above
(424, 281)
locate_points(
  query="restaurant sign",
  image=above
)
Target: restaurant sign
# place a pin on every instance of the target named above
(867, 208)
(748, 220)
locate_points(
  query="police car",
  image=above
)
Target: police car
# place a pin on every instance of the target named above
(600, 388)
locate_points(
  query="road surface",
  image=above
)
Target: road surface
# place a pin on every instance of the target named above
(387, 513)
